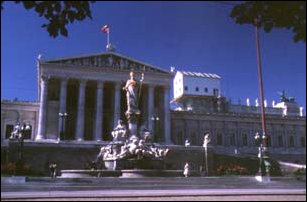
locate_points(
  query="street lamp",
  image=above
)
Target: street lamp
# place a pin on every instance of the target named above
(155, 120)
(63, 118)
(261, 140)
(205, 145)
(264, 165)
(19, 135)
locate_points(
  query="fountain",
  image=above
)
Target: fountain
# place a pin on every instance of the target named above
(131, 154)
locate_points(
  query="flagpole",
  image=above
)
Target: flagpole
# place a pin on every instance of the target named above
(108, 37)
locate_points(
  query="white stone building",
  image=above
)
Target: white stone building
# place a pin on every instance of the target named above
(196, 83)
(232, 127)
(89, 89)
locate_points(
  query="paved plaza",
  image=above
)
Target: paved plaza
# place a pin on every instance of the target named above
(151, 189)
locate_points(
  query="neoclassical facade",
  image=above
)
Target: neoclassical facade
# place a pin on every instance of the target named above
(89, 89)
(232, 127)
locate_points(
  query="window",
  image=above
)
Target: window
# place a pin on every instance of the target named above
(280, 141)
(303, 142)
(291, 141)
(193, 139)
(186, 88)
(244, 140)
(215, 92)
(8, 131)
(219, 139)
(180, 138)
(269, 141)
(206, 90)
(196, 89)
(232, 139)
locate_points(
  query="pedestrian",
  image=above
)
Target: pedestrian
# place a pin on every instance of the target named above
(53, 170)
(186, 170)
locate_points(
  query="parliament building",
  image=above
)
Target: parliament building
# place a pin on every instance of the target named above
(80, 100)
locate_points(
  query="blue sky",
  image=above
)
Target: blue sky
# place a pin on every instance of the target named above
(192, 36)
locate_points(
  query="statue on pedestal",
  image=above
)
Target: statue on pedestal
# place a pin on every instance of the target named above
(132, 87)
(133, 94)
(138, 147)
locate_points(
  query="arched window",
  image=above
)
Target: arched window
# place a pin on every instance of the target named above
(244, 139)
(219, 139)
(232, 139)
(303, 142)
(193, 139)
(180, 138)
(291, 141)
(280, 141)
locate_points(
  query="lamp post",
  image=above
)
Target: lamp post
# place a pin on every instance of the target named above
(263, 140)
(155, 120)
(19, 135)
(205, 145)
(264, 165)
(63, 118)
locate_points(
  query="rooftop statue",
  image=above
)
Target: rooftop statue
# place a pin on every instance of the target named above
(284, 98)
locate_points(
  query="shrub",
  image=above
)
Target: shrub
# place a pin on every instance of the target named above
(231, 169)
(17, 168)
(10, 168)
(275, 168)
(300, 172)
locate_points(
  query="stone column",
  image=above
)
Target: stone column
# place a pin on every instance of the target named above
(41, 132)
(99, 111)
(63, 94)
(150, 107)
(167, 135)
(81, 102)
(116, 103)
(2, 126)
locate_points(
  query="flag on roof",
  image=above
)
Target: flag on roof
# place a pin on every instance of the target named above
(105, 29)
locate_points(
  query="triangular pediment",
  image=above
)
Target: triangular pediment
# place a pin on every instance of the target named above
(110, 60)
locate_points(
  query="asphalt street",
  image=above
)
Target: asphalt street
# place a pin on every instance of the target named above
(152, 189)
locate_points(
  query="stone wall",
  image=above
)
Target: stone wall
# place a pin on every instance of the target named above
(78, 156)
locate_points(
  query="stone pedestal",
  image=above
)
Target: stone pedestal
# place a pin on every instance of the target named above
(132, 123)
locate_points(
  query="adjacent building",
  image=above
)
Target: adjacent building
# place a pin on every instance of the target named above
(200, 108)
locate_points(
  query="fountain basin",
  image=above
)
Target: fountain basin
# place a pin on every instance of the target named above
(151, 173)
(89, 173)
(126, 164)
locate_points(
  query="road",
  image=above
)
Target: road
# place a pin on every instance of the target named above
(155, 189)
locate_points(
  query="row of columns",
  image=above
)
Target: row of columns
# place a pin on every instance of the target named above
(99, 109)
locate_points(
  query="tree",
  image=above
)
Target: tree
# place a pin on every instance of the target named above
(274, 14)
(58, 13)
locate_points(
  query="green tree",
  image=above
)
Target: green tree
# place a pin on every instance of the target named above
(58, 13)
(274, 14)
